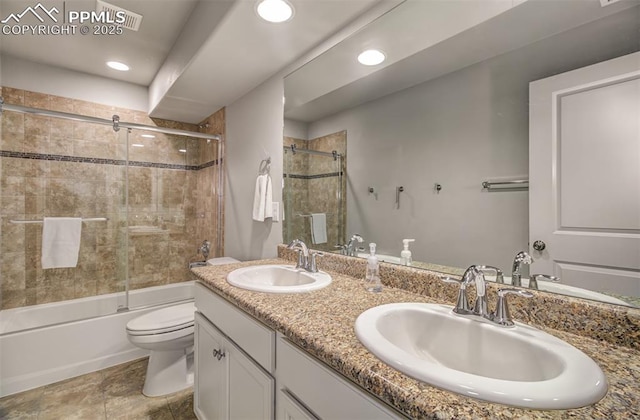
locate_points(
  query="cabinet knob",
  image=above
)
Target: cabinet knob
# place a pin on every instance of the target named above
(218, 354)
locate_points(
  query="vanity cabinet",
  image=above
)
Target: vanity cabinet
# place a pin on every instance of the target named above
(307, 389)
(235, 365)
(231, 382)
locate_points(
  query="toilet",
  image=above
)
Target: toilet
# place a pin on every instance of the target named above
(169, 334)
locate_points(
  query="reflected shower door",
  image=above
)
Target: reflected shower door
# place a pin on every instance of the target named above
(314, 183)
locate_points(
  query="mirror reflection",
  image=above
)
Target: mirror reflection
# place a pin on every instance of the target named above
(453, 141)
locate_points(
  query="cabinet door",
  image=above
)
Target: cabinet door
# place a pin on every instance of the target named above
(211, 372)
(251, 390)
(290, 409)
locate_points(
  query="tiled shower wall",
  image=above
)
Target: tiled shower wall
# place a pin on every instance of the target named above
(313, 185)
(55, 167)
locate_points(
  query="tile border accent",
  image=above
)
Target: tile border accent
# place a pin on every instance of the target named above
(318, 176)
(102, 161)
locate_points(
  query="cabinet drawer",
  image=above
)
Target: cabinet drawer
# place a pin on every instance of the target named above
(290, 409)
(257, 340)
(323, 391)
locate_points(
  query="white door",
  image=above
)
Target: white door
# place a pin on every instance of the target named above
(584, 172)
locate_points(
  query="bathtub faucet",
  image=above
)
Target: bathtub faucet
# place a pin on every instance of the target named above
(205, 249)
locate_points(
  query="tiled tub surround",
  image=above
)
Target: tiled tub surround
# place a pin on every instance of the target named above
(55, 167)
(322, 324)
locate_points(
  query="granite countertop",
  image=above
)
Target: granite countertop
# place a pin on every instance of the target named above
(321, 322)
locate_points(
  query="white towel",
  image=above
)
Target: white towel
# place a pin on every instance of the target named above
(262, 199)
(318, 228)
(60, 241)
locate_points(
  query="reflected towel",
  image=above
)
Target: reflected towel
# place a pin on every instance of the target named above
(60, 241)
(262, 199)
(318, 228)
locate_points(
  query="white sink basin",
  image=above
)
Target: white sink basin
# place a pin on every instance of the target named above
(277, 279)
(519, 366)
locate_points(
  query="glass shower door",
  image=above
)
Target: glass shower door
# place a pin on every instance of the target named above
(314, 184)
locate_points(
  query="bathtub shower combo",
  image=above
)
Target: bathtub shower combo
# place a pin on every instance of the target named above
(143, 195)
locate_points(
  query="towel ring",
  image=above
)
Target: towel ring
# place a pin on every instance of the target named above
(265, 166)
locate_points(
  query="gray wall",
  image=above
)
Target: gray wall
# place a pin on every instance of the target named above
(457, 130)
(296, 129)
(254, 132)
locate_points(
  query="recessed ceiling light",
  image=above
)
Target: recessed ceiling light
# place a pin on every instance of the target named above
(137, 145)
(148, 136)
(371, 57)
(276, 11)
(116, 65)
(182, 150)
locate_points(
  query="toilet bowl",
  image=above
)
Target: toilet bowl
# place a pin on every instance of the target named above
(168, 333)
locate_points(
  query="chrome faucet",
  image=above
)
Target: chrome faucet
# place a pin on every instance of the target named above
(352, 246)
(520, 259)
(533, 280)
(350, 249)
(205, 249)
(306, 258)
(474, 274)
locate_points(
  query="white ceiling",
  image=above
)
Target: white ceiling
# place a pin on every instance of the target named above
(414, 30)
(144, 51)
(196, 56)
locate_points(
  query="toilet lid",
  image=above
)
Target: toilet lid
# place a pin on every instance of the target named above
(163, 320)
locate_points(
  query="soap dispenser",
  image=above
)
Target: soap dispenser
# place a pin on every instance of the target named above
(405, 255)
(372, 278)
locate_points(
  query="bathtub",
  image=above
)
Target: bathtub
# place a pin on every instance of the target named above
(42, 344)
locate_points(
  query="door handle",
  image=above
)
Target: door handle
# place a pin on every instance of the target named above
(539, 245)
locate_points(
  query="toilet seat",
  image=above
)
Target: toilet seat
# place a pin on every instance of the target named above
(177, 319)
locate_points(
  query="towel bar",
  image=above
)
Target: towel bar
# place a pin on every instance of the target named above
(88, 219)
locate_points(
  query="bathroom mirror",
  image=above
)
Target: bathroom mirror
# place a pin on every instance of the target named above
(447, 111)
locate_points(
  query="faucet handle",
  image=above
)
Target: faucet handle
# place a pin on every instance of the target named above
(301, 259)
(462, 302)
(312, 260)
(502, 316)
(499, 273)
(533, 281)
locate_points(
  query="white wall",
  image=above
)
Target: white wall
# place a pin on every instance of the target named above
(254, 132)
(22, 74)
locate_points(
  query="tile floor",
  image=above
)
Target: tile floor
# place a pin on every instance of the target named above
(112, 393)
